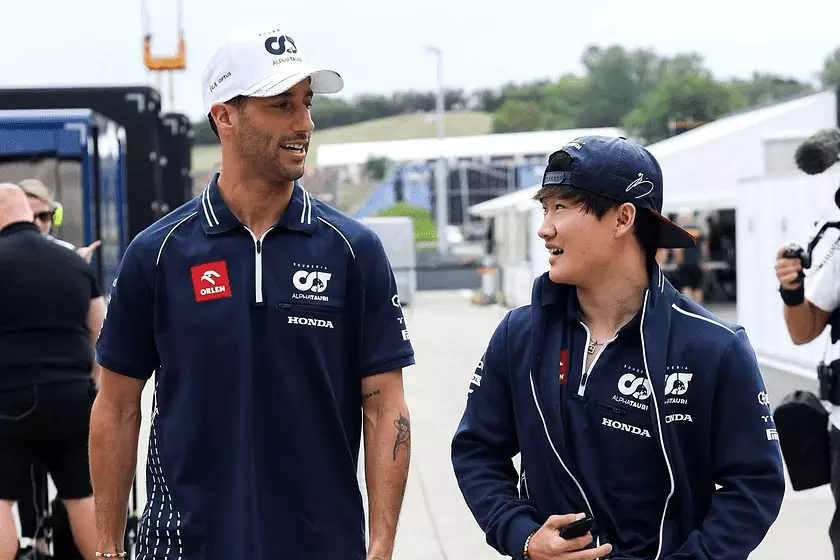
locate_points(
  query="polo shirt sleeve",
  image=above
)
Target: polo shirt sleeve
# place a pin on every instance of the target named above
(126, 343)
(385, 340)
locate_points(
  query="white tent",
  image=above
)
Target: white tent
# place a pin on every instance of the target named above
(520, 253)
(702, 168)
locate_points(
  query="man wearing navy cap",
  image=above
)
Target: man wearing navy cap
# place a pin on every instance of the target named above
(274, 327)
(627, 402)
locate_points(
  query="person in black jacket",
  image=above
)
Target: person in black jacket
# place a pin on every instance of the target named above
(52, 313)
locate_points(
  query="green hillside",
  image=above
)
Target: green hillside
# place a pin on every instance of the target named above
(465, 123)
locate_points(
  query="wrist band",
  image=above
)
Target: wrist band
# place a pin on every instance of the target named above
(525, 548)
(793, 297)
(110, 554)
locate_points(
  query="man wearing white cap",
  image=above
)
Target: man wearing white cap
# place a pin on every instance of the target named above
(274, 327)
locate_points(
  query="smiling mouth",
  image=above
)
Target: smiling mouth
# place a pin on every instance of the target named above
(294, 148)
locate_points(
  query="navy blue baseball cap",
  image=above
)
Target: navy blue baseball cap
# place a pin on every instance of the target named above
(620, 170)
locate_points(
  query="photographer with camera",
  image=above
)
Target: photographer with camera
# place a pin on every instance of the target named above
(809, 425)
(808, 310)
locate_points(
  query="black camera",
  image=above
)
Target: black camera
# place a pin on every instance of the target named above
(797, 252)
(804, 253)
(829, 378)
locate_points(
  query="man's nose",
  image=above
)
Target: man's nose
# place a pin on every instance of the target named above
(546, 230)
(303, 122)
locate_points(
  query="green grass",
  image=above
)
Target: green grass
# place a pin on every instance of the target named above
(424, 227)
(205, 157)
(402, 127)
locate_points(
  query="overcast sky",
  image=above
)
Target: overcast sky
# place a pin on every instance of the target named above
(378, 45)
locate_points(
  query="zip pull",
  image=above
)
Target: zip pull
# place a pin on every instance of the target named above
(259, 246)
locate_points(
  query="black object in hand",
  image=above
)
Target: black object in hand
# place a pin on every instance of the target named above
(797, 252)
(577, 528)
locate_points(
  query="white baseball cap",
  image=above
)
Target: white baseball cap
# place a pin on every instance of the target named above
(261, 62)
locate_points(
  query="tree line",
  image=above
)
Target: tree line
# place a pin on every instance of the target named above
(650, 96)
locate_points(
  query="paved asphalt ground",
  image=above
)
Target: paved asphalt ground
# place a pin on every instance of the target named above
(449, 335)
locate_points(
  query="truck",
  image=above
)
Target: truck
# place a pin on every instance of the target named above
(176, 141)
(137, 108)
(81, 156)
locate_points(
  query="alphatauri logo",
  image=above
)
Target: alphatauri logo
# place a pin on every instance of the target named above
(210, 281)
(314, 281)
(633, 385)
(278, 45)
(629, 428)
(677, 383)
(311, 282)
(310, 322)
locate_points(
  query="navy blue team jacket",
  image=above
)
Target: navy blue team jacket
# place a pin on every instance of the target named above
(675, 413)
(259, 347)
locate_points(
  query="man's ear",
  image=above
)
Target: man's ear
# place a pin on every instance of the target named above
(222, 115)
(625, 219)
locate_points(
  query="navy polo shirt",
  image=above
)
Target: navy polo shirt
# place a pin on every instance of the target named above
(609, 432)
(260, 346)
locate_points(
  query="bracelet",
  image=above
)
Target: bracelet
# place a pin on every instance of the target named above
(525, 548)
(110, 554)
(793, 297)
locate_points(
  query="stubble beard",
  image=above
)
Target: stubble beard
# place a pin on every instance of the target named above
(262, 153)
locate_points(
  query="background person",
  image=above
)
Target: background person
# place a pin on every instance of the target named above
(691, 261)
(44, 208)
(807, 309)
(52, 313)
(33, 502)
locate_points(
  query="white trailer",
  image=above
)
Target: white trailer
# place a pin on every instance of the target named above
(397, 236)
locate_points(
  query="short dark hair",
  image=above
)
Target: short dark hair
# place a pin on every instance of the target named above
(645, 226)
(239, 102)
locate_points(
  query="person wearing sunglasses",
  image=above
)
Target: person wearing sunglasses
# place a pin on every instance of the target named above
(49, 214)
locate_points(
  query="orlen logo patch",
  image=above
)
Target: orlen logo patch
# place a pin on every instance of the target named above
(210, 281)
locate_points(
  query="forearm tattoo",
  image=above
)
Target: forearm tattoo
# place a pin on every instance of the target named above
(371, 394)
(403, 434)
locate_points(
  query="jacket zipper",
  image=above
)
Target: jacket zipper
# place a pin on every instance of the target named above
(557, 454)
(659, 425)
(258, 268)
(584, 375)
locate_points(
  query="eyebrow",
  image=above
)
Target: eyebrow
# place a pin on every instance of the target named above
(287, 94)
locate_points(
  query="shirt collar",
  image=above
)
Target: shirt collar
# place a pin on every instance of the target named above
(300, 215)
(16, 227)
